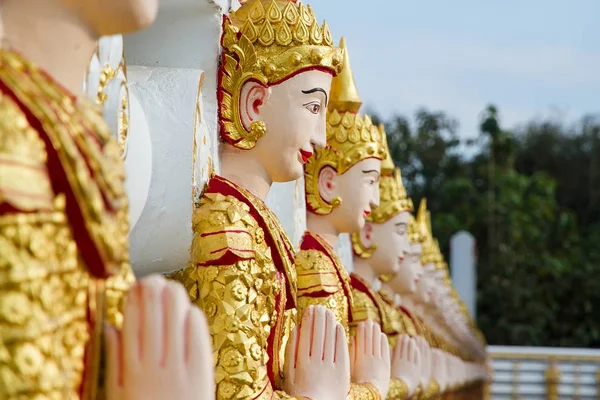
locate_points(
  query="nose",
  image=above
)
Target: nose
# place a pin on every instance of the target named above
(375, 199)
(319, 137)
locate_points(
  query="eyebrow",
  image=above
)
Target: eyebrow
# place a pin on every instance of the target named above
(317, 89)
(400, 223)
(370, 171)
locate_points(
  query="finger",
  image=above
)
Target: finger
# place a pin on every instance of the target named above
(377, 340)
(330, 337)
(352, 350)
(369, 338)
(198, 346)
(385, 349)
(152, 319)
(417, 359)
(406, 348)
(132, 330)
(176, 307)
(360, 338)
(319, 326)
(411, 350)
(290, 357)
(113, 359)
(396, 349)
(341, 357)
(305, 336)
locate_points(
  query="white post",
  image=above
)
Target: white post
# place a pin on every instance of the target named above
(462, 266)
(172, 72)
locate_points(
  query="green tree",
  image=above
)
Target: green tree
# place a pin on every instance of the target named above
(522, 201)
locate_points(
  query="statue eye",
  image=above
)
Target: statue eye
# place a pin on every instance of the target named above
(313, 107)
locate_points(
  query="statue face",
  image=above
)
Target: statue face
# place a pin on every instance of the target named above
(358, 188)
(110, 17)
(293, 112)
(425, 286)
(411, 272)
(390, 238)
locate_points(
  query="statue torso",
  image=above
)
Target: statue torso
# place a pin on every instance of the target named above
(323, 280)
(241, 274)
(59, 181)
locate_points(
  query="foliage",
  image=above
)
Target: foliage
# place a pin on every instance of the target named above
(532, 199)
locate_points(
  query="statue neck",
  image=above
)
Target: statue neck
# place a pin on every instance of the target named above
(364, 270)
(321, 225)
(410, 303)
(385, 286)
(243, 168)
(46, 33)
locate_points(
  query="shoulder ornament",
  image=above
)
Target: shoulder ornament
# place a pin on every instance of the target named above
(316, 273)
(225, 231)
(24, 181)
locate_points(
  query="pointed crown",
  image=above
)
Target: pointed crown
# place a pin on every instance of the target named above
(430, 248)
(268, 41)
(393, 198)
(414, 230)
(351, 138)
(387, 165)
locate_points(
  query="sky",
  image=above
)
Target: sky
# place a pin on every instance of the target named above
(531, 58)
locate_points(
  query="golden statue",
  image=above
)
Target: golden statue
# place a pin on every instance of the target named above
(275, 75)
(64, 259)
(341, 187)
(379, 248)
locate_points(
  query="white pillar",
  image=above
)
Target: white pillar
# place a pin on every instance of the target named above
(462, 266)
(172, 73)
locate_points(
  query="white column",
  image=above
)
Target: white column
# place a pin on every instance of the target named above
(172, 71)
(462, 266)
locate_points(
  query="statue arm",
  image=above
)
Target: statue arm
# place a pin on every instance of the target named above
(398, 390)
(417, 394)
(318, 284)
(432, 390)
(117, 287)
(35, 246)
(238, 305)
(364, 391)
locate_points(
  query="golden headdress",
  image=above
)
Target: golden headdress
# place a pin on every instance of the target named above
(351, 138)
(393, 198)
(268, 41)
(430, 249)
(414, 230)
(387, 165)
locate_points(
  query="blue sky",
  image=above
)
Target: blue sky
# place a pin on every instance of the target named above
(532, 58)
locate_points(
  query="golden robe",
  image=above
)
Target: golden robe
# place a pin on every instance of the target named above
(241, 275)
(64, 263)
(323, 280)
(368, 304)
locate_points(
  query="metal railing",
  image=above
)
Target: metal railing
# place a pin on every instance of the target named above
(531, 373)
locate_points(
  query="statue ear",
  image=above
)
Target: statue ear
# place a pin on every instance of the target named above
(327, 184)
(252, 97)
(366, 235)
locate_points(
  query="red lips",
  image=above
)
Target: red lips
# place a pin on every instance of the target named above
(305, 155)
(367, 213)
